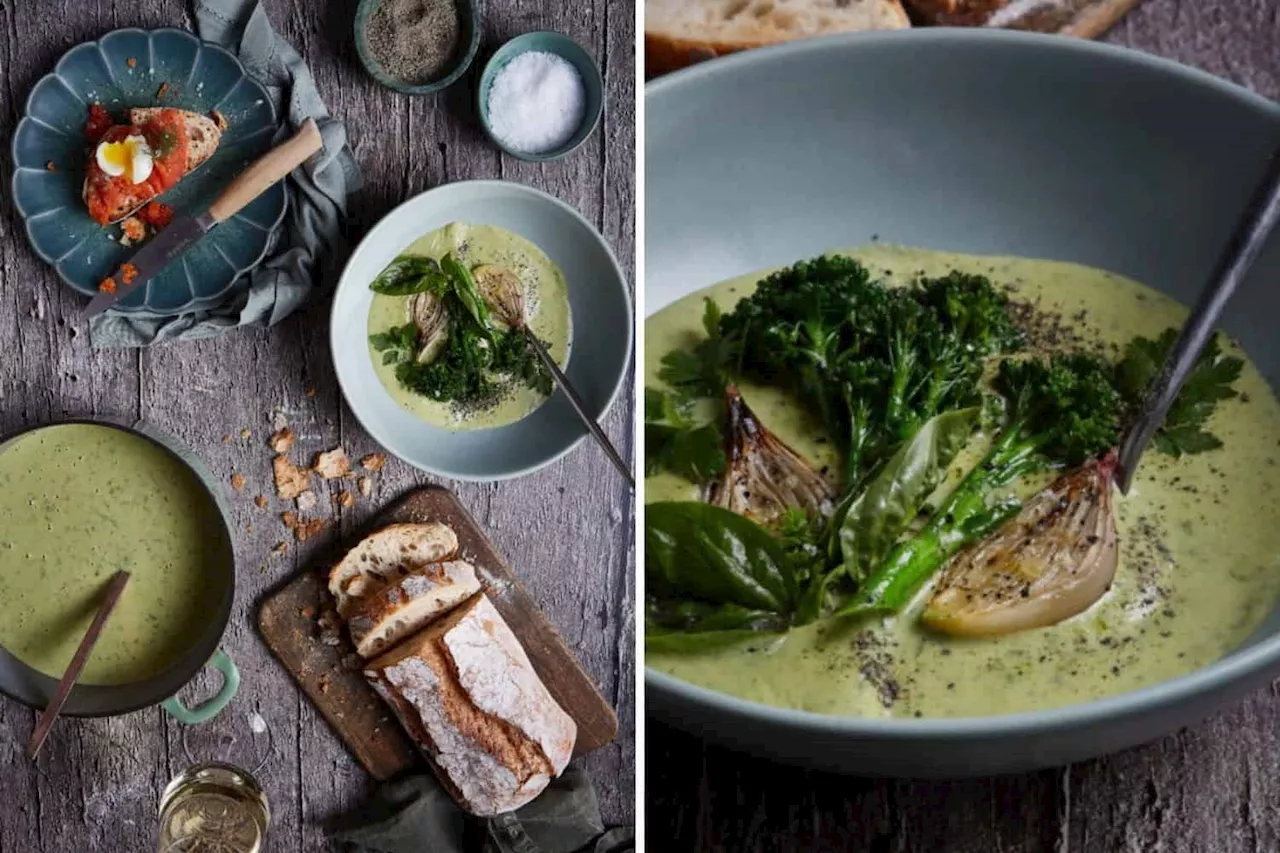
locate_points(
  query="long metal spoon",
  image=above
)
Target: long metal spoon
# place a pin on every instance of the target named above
(69, 678)
(1239, 256)
(504, 293)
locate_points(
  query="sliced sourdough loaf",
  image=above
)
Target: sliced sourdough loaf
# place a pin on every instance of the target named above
(387, 555)
(465, 691)
(681, 32)
(389, 612)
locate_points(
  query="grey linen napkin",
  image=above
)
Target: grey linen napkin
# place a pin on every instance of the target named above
(286, 277)
(414, 814)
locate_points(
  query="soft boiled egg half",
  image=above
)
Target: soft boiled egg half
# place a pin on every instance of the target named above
(130, 157)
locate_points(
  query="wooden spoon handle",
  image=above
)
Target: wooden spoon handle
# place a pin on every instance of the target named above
(267, 170)
(114, 588)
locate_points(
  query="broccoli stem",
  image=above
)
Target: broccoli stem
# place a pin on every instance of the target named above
(965, 517)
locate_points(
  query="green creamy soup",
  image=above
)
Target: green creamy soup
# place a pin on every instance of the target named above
(546, 312)
(1200, 547)
(79, 502)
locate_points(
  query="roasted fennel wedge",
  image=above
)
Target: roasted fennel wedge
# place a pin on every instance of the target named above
(1051, 561)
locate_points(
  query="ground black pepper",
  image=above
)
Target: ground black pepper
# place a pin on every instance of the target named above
(413, 40)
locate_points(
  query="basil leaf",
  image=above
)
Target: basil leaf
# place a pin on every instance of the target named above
(698, 551)
(692, 626)
(892, 498)
(464, 287)
(408, 275)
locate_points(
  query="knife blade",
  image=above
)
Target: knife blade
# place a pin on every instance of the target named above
(174, 239)
(179, 235)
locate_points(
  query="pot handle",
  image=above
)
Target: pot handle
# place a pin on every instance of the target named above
(210, 709)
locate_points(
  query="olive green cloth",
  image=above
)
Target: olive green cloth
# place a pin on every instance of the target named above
(415, 815)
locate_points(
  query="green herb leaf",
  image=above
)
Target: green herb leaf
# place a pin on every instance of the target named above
(693, 453)
(700, 372)
(1183, 430)
(409, 275)
(692, 626)
(893, 497)
(695, 551)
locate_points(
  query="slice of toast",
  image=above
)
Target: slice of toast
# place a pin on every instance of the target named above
(682, 32)
(203, 134)
(380, 556)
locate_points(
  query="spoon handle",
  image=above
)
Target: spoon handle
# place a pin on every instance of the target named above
(50, 713)
(1239, 256)
(580, 408)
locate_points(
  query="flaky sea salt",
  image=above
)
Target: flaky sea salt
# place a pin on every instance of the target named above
(536, 103)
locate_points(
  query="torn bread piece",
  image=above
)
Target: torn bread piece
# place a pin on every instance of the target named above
(466, 693)
(378, 558)
(291, 481)
(392, 611)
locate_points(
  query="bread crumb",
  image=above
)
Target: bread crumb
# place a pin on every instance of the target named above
(162, 91)
(374, 462)
(332, 463)
(280, 548)
(344, 499)
(291, 480)
(289, 519)
(134, 229)
(365, 485)
(261, 501)
(249, 527)
(226, 439)
(131, 62)
(310, 391)
(244, 433)
(306, 529)
(282, 440)
(307, 500)
(237, 481)
(307, 612)
(51, 166)
(219, 119)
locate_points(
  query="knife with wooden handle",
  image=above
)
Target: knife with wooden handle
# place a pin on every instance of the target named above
(180, 234)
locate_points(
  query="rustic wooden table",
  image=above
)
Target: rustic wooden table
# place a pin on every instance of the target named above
(1215, 787)
(568, 530)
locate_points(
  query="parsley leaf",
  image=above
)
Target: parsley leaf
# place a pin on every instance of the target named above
(396, 344)
(1183, 430)
(674, 442)
(699, 372)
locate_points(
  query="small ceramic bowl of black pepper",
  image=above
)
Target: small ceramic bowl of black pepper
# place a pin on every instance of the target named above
(540, 96)
(418, 47)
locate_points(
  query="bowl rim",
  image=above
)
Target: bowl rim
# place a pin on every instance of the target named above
(468, 9)
(336, 321)
(510, 50)
(194, 304)
(1236, 667)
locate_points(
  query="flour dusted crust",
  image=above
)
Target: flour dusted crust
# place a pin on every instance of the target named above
(682, 32)
(379, 557)
(393, 610)
(466, 692)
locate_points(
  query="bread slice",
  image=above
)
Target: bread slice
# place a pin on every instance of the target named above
(1045, 15)
(681, 32)
(466, 693)
(203, 133)
(390, 612)
(380, 556)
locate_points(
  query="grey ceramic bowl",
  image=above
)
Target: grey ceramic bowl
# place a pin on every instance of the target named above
(469, 43)
(599, 352)
(983, 142)
(567, 49)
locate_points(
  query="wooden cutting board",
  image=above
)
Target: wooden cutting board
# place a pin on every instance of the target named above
(288, 622)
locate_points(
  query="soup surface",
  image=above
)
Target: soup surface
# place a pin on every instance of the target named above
(80, 502)
(546, 312)
(1200, 544)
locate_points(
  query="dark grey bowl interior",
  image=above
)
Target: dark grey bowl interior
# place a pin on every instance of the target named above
(21, 682)
(973, 141)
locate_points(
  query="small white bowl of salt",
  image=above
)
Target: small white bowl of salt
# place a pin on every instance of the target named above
(540, 96)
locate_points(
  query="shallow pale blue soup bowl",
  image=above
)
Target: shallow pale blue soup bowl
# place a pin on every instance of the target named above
(201, 76)
(568, 50)
(972, 141)
(599, 350)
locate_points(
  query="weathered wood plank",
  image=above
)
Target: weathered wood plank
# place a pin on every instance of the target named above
(98, 776)
(1210, 787)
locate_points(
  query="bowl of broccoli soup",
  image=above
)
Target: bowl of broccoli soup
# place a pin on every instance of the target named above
(893, 337)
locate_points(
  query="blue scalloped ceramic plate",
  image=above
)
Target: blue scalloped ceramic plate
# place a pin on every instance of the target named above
(201, 76)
